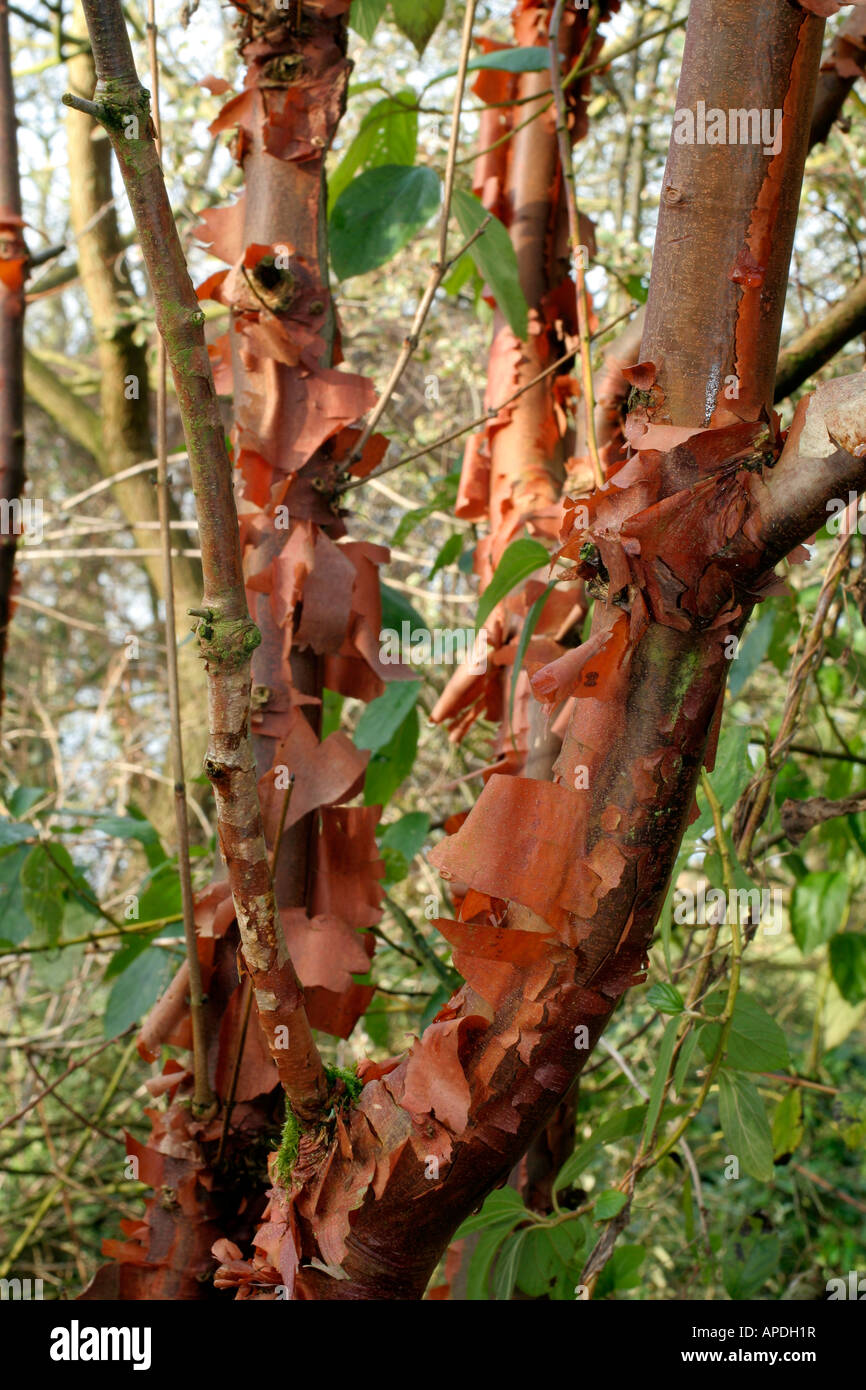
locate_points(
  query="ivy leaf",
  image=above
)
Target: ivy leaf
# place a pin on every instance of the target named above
(848, 965)
(495, 259)
(519, 560)
(745, 1125)
(382, 718)
(819, 906)
(378, 214)
(418, 20)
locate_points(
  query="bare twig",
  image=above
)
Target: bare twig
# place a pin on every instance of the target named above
(565, 157)
(442, 264)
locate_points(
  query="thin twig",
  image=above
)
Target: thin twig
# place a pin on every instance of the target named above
(489, 414)
(204, 1104)
(570, 192)
(442, 264)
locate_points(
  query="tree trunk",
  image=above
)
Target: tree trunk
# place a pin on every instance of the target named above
(13, 269)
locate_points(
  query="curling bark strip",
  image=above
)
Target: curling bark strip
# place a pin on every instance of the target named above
(227, 637)
(562, 886)
(314, 594)
(514, 471)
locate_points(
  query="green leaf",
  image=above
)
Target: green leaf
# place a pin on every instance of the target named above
(530, 623)
(519, 560)
(381, 719)
(14, 833)
(401, 841)
(391, 765)
(666, 998)
(448, 553)
(418, 19)
(133, 828)
(332, 709)
(396, 610)
(788, 1124)
(743, 1117)
(378, 214)
(657, 1090)
(137, 989)
(388, 135)
(684, 1057)
(364, 17)
(162, 896)
(751, 652)
(494, 255)
(21, 800)
(609, 1203)
(443, 499)
(622, 1270)
(43, 890)
(15, 925)
(546, 1254)
(502, 1207)
(729, 776)
(638, 287)
(503, 60)
(622, 1125)
(819, 907)
(848, 965)
(755, 1041)
(505, 1273)
(749, 1263)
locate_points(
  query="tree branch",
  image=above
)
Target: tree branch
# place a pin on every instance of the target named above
(226, 635)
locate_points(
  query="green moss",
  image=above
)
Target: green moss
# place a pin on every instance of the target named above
(287, 1154)
(350, 1079)
(345, 1086)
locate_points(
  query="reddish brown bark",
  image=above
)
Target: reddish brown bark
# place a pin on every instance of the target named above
(13, 269)
(313, 595)
(514, 472)
(845, 63)
(575, 879)
(225, 634)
